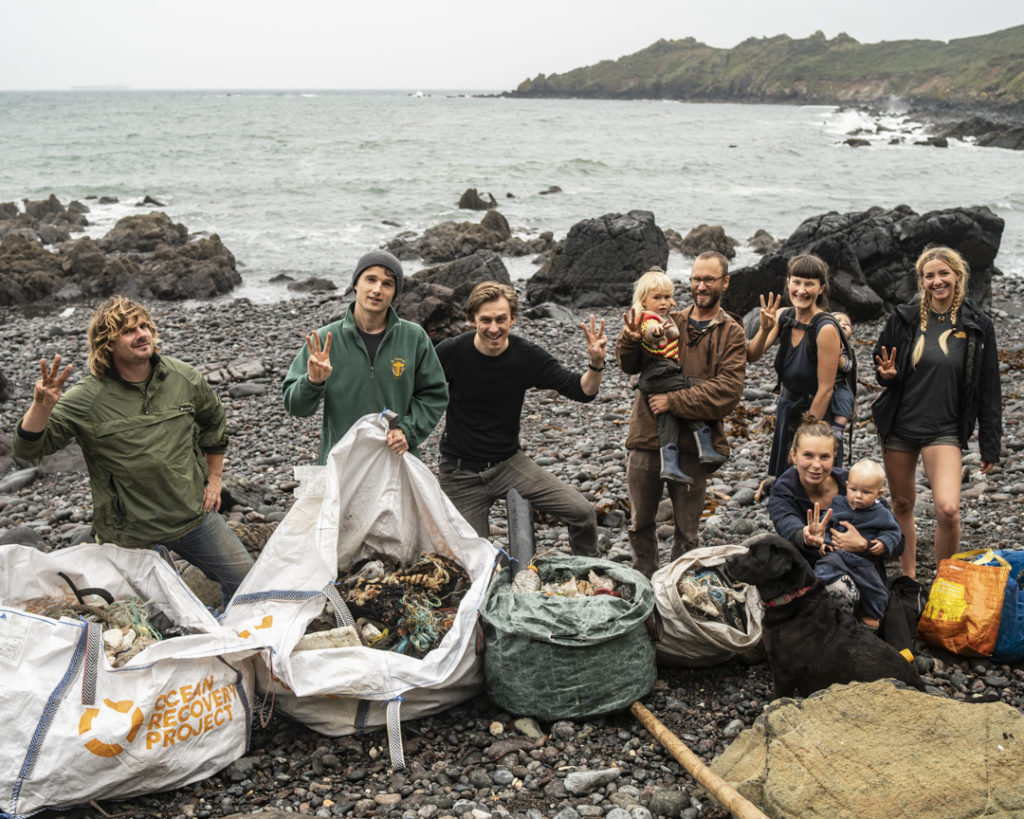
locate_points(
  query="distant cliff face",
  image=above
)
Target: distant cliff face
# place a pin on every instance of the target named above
(986, 70)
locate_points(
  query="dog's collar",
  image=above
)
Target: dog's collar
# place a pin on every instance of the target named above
(789, 598)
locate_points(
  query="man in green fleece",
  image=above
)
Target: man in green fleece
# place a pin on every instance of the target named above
(369, 361)
(153, 434)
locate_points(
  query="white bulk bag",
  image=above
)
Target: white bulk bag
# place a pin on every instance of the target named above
(692, 641)
(76, 729)
(373, 502)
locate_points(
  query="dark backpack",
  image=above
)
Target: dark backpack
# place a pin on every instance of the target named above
(787, 321)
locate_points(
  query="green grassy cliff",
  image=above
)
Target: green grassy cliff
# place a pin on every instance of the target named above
(986, 70)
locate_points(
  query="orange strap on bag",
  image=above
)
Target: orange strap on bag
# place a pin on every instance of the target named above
(965, 604)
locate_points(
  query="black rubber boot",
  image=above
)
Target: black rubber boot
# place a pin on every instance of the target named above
(706, 453)
(670, 470)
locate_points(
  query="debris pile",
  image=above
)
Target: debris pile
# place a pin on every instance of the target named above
(709, 596)
(127, 629)
(404, 609)
(563, 583)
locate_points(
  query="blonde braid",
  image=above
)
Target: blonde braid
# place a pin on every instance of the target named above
(954, 311)
(926, 301)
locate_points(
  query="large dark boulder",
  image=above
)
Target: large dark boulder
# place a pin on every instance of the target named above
(472, 200)
(50, 234)
(5, 394)
(28, 272)
(703, 238)
(599, 260)
(464, 274)
(144, 234)
(143, 257)
(196, 270)
(41, 208)
(763, 242)
(432, 306)
(83, 259)
(871, 256)
(453, 240)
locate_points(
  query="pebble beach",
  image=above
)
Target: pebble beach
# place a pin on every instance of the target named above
(474, 760)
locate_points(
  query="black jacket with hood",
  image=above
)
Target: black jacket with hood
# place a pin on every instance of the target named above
(981, 402)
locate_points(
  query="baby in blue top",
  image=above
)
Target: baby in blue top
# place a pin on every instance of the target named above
(864, 509)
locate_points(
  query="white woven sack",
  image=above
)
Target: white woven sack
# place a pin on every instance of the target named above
(691, 641)
(76, 729)
(373, 502)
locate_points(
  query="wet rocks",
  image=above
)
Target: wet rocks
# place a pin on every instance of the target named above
(702, 239)
(471, 200)
(871, 255)
(462, 275)
(144, 256)
(453, 240)
(599, 260)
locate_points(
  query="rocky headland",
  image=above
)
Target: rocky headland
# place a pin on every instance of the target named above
(474, 760)
(966, 88)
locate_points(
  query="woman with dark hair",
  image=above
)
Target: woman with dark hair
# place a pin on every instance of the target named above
(938, 363)
(808, 356)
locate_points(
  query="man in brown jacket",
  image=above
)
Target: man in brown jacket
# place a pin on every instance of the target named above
(713, 354)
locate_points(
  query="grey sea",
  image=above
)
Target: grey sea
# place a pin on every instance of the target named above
(301, 183)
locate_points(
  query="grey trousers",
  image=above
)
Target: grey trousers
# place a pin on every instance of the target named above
(473, 493)
(644, 483)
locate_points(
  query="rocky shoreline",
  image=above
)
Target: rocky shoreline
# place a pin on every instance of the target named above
(474, 760)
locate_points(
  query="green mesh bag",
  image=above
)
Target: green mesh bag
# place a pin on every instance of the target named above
(568, 657)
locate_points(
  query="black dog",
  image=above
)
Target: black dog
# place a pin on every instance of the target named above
(811, 644)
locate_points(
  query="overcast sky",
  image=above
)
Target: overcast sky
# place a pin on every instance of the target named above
(414, 44)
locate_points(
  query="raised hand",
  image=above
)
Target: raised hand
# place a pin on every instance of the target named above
(769, 307)
(814, 531)
(50, 386)
(318, 365)
(631, 322)
(886, 364)
(597, 342)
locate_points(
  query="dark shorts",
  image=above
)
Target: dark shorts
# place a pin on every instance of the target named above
(897, 444)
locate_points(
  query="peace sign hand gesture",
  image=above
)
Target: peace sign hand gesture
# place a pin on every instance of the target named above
(597, 342)
(886, 364)
(769, 307)
(631, 331)
(814, 531)
(48, 388)
(318, 365)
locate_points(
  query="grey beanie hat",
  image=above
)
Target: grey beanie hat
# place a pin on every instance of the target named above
(380, 258)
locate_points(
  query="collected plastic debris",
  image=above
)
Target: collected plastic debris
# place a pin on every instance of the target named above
(526, 580)
(408, 610)
(127, 629)
(341, 637)
(707, 595)
(564, 584)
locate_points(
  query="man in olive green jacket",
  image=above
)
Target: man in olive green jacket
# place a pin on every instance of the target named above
(153, 434)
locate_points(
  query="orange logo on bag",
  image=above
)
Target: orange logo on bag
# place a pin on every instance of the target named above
(98, 746)
(266, 622)
(397, 367)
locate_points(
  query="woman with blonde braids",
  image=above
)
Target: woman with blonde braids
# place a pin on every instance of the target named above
(937, 361)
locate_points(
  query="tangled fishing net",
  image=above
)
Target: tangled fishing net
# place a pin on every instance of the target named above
(404, 609)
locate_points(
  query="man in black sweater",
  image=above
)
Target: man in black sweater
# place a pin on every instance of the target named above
(488, 373)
